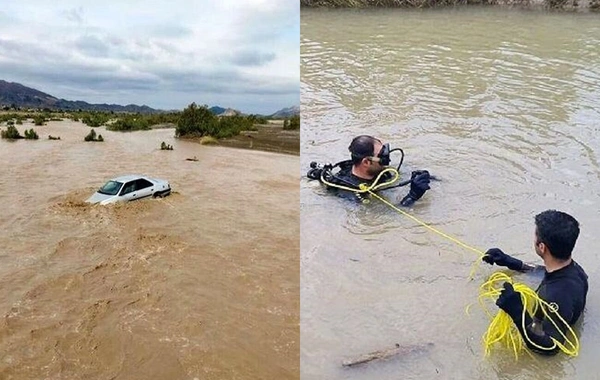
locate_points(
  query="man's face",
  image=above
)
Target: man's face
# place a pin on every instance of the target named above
(374, 166)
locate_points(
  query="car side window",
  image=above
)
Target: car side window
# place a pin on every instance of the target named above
(128, 188)
(142, 184)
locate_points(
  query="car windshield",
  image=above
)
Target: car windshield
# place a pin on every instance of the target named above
(110, 188)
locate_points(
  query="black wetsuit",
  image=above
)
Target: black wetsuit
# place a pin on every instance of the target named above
(344, 177)
(566, 288)
(419, 182)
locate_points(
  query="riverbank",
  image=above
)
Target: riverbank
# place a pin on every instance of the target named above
(573, 5)
(268, 137)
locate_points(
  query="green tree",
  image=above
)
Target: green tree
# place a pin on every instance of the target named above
(295, 122)
(196, 121)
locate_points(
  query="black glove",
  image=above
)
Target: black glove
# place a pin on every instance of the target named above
(510, 302)
(496, 256)
(418, 186)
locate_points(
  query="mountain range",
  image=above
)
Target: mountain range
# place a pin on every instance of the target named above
(17, 95)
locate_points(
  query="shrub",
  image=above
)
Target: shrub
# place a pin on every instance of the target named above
(91, 136)
(31, 134)
(95, 119)
(293, 124)
(39, 120)
(164, 146)
(11, 133)
(130, 123)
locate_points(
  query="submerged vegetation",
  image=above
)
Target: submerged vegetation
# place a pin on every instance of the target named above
(92, 136)
(31, 134)
(12, 133)
(164, 146)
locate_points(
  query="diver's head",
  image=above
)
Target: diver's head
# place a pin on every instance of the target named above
(555, 234)
(369, 155)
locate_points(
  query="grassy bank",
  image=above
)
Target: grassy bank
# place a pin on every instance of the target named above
(593, 5)
(267, 137)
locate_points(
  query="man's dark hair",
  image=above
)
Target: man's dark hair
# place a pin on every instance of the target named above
(558, 231)
(361, 147)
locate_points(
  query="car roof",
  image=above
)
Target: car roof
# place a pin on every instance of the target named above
(128, 177)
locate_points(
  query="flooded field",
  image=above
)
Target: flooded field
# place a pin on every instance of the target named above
(203, 284)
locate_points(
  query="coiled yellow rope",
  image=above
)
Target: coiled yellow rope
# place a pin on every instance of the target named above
(501, 329)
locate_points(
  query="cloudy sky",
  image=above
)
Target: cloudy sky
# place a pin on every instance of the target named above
(242, 54)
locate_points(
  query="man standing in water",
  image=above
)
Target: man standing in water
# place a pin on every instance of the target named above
(564, 286)
(368, 158)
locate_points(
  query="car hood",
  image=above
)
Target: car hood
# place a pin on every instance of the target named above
(97, 198)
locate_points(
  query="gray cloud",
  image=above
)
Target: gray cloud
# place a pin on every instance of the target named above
(92, 45)
(187, 83)
(75, 15)
(251, 58)
(27, 52)
(232, 54)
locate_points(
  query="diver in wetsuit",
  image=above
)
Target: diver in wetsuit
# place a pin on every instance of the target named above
(369, 157)
(564, 285)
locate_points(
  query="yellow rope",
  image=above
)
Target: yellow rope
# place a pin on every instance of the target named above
(475, 264)
(501, 329)
(363, 188)
(373, 187)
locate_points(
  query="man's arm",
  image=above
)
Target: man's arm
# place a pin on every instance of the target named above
(496, 256)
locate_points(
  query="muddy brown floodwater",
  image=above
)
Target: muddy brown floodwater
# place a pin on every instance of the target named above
(502, 106)
(203, 284)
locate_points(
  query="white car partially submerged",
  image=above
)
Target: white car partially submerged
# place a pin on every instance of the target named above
(129, 188)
